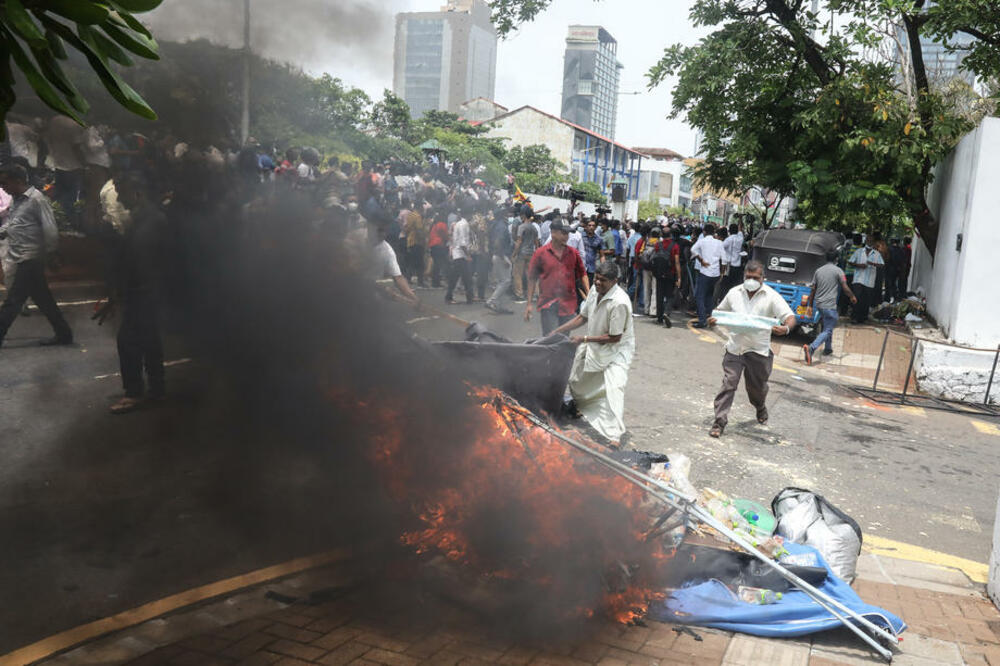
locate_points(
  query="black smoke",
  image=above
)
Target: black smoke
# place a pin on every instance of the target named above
(317, 35)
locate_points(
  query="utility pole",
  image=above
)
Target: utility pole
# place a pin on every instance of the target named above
(245, 120)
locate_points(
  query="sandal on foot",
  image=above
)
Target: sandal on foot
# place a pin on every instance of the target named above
(126, 405)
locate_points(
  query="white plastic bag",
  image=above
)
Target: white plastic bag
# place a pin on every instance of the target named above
(807, 518)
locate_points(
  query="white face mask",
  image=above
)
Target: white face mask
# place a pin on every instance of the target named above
(751, 285)
(352, 206)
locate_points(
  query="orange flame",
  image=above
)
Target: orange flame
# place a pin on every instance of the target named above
(512, 468)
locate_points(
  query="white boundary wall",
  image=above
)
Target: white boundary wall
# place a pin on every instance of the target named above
(960, 284)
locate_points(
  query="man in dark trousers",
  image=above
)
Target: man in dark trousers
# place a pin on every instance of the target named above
(31, 234)
(138, 274)
(555, 268)
(666, 269)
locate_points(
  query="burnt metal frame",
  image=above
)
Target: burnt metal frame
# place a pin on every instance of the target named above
(884, 397)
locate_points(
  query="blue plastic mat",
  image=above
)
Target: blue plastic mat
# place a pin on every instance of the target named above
(712, 604)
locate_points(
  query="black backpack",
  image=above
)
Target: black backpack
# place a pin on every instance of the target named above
(663, 261)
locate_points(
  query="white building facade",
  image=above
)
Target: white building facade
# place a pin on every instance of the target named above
(590, 157)
(665, 178)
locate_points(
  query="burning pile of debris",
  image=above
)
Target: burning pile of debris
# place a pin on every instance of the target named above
(550, 534)
(543, 524)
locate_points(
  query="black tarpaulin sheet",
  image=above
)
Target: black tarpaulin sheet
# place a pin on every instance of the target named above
(535, 373)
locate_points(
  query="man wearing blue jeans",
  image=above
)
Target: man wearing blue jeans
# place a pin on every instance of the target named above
(827, 284)
(708, 254)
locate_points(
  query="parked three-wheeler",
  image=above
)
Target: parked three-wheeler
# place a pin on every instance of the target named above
(790, 258)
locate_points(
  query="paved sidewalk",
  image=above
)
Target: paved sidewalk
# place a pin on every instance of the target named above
(856, 351)
(950, 622)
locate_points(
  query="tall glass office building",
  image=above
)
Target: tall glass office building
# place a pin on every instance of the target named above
(941, 64)
(445, 58)
(591, 77)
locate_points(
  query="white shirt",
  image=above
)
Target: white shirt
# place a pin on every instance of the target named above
(866, 275)
(305, 171)
(460, 239)
(544, 232)
(710, 249)
(374, 262)
(30, 226)
(383, 262)
(608, 315)
(733, 246)
(765, 303)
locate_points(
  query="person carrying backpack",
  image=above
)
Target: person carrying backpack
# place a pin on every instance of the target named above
(645, 249)
(665, 265)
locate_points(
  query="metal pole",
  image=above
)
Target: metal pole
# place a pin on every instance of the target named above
(881, 356)
(993, 372)
(676, 499)
(909, 371)
(245, 118)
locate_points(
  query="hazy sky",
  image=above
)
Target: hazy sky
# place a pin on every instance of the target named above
(353, 40)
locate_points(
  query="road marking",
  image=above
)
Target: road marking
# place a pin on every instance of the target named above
(168, 364)
(87, 632)
(976, 571)
(986, 428)
(65, 304)
(914, 411)
(420, 319)
(784, 369)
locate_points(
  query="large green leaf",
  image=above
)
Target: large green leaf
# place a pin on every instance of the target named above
(121, 91)
(56, 45)
(138, 5)
(138, 44)
(36, 80)
(107, 47)
(53, 72)
(133, 23)
(86, 12)
(23, 24)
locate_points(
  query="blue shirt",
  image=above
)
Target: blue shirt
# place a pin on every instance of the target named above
(619, 249)
(593, 244)
(633, 240)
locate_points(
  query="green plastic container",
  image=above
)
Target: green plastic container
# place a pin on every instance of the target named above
(759, 516)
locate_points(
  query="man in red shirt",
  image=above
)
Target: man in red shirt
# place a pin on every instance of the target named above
(555, 269)
(437, 243)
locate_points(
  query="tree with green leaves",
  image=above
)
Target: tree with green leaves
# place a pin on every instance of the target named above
(650, 208)
(36, 35)
(808, 104)
(391, 117)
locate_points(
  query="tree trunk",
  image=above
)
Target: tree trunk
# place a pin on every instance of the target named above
(927, 228)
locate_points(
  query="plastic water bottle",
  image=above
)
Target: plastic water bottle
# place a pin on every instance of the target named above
(758, 595)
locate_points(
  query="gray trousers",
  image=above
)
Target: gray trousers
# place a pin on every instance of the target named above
(756, 370)
(502, 273)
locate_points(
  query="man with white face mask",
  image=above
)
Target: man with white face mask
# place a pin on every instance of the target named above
(748, 352)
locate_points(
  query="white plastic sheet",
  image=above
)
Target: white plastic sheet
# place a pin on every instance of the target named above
(739, 321)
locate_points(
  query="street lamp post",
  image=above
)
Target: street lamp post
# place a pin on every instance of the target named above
(245, 118)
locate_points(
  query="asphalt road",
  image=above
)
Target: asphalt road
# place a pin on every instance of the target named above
(100, 513)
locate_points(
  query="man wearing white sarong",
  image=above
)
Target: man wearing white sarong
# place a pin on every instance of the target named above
(600, 369)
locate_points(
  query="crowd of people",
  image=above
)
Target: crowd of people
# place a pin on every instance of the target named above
(429, 224)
